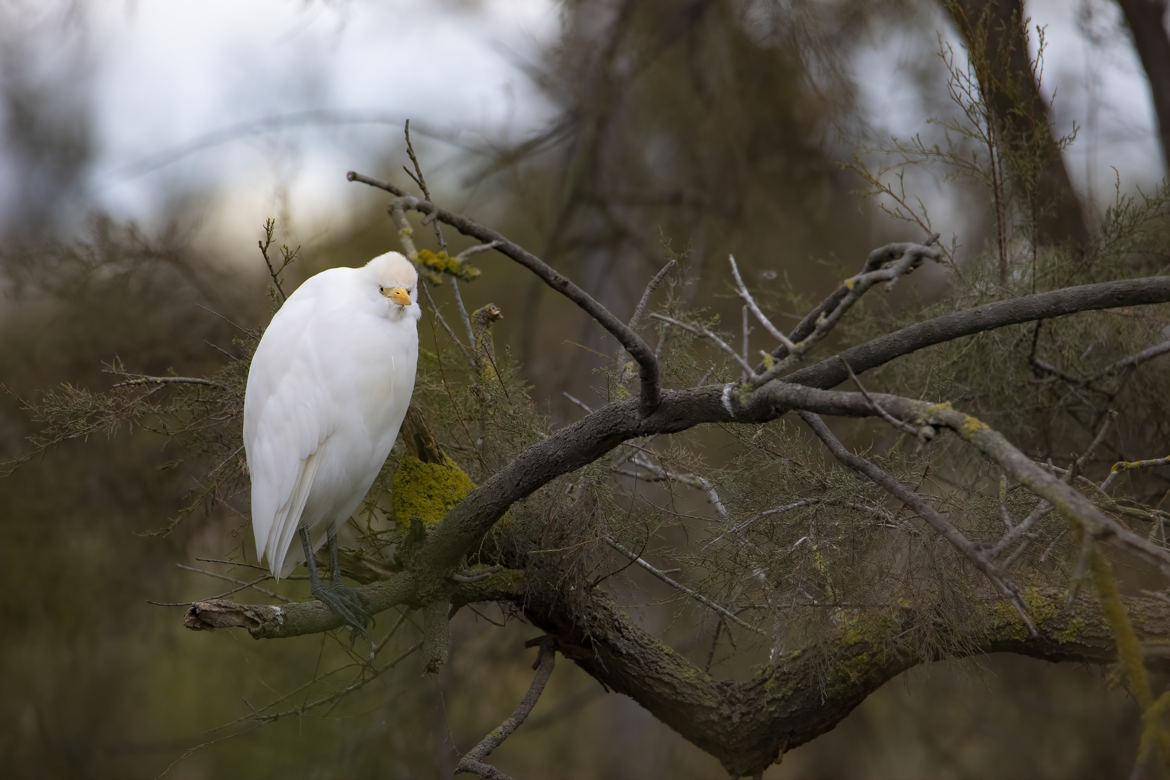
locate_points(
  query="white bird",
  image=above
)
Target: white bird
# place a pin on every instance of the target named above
(327, 391)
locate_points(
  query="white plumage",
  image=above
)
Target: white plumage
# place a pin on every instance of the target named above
(327, 391)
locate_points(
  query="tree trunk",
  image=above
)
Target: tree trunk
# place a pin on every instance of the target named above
(1146, 20)
(995, 34)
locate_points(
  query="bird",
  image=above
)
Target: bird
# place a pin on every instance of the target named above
(328, 388)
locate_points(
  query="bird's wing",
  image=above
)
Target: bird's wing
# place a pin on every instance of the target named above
(287, 519)
(284, 428)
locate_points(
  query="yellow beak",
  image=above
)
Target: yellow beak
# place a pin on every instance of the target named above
(399, 295)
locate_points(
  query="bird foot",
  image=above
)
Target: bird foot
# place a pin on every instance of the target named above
(348, 604)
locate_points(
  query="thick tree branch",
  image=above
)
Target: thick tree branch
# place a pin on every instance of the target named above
(1028, 308)
(631, 341)
(803, 694)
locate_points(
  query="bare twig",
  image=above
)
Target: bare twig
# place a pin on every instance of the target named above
(642, 459)
(474, 761)
(889, 418)
(664, 577)
(1039, 306)
(1133, 361)
(700, 330)
(742, 290)
(475, 249)
(406, 238)
(742, 525)
(143, 379)
(817, 324)
(242, 583)
(651, 286)
(420, 180)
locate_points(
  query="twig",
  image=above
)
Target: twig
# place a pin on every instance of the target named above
(636, 318)
(702, 331)
(651, 286)
(269, 232)
(741, 288)
(474, 760)
(577, 401)
(889, 418)
(1043, 508)
(821, 321)
(693, 480)
(1126, 465)
(924, 510)
(1134, 360)
(664, 577)
(760, 515)
(143, 379)
(475, 249)
(650, 395)
(243, 583)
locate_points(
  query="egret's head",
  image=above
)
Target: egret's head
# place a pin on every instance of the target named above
(395, 277)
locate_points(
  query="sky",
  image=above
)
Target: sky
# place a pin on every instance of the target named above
(268, 99)
(263, 99)
(371, 64)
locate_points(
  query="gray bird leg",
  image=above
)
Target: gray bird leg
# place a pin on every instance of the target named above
(346, 602)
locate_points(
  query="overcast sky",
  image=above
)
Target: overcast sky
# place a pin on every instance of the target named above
(241, 95)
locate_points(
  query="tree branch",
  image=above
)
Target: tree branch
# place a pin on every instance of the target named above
(473, 761)
(922, 509)
(311, 617)
(748, 724)
(1028, 308)
(631, 341)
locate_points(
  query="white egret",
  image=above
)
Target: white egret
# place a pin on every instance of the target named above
(327, 391)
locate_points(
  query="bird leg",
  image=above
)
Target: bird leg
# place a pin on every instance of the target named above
(345, 602)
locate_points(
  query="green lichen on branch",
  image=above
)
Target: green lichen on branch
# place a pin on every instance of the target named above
(435, 264)
(427, 490)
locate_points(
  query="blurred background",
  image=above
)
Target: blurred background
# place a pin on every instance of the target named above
(143, 145)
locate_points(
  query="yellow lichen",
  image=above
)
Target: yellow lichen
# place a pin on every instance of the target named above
(1071, 632)
(972, 426)
(1040, 606)
(426, 490)
(1008, 623)
(443, 263)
